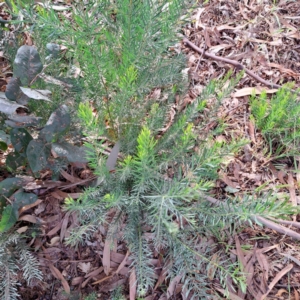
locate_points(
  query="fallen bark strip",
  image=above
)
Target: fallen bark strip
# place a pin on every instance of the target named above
(260, 220)
(235, 63)
(286, 222)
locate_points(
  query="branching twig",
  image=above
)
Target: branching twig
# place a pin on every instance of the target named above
(235, 63)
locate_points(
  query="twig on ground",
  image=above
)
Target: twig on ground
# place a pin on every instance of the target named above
(235, 63)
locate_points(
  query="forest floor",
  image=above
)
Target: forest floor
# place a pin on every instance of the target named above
(263, 36)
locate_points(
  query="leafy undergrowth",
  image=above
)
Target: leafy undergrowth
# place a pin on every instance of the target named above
(256, 35)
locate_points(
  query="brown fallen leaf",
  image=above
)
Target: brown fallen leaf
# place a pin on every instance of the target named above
(106, 256)
(91, 275)
(172, 286)
(247, 91)
(76, 280)
(84, 267)
(263, 262)
(69, 177)
(103, 279)
(162, 275)
(123, 263)
(227, 180)
(251, 127)
(296, 295)
(22, 229)
(206, 37)
(26, 207)
(232, 295)
(284, 70)
(64, 225)
(54, 230)
(132, 285)
(280, 292)
(57, 274)
(28, 218)
(116, 257)
(53, 241)
(94, 273)
(213, 266)
(276, 279)
(292, 189)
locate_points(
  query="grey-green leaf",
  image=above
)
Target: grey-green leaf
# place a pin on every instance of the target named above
(8, 107)
(5, 137)
(57, 124)
(113, 157)
(25, 121)
(37, 154)
(14, 124)
(13, 89)
(7, 187)
(14, 160)
(22, 199)
(72, 153)
(20, 139)
(53, 49)
(36, 94)
(27, 64)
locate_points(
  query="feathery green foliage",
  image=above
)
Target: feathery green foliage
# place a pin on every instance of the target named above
(122, 50)
(158, 191)
(154, 196)
(15, 256)
(278, 119)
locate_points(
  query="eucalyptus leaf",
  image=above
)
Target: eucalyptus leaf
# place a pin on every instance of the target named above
(37, 154)
(25, 121)
(7, 188)
(3, 146)
(20, 139)
(4, 137)
(27, 64)
(14, 160)
(57, 124)
(53, 49)
(14, 124)
(7, 107)
(13, 89)
(22, 199)
(36, 94)
(70, 152)
(8, 218)
(113, 156)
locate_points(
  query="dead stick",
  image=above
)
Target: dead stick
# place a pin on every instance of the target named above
(235, 63)
(260, 220)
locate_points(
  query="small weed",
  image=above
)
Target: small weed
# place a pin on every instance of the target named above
(278, 119)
